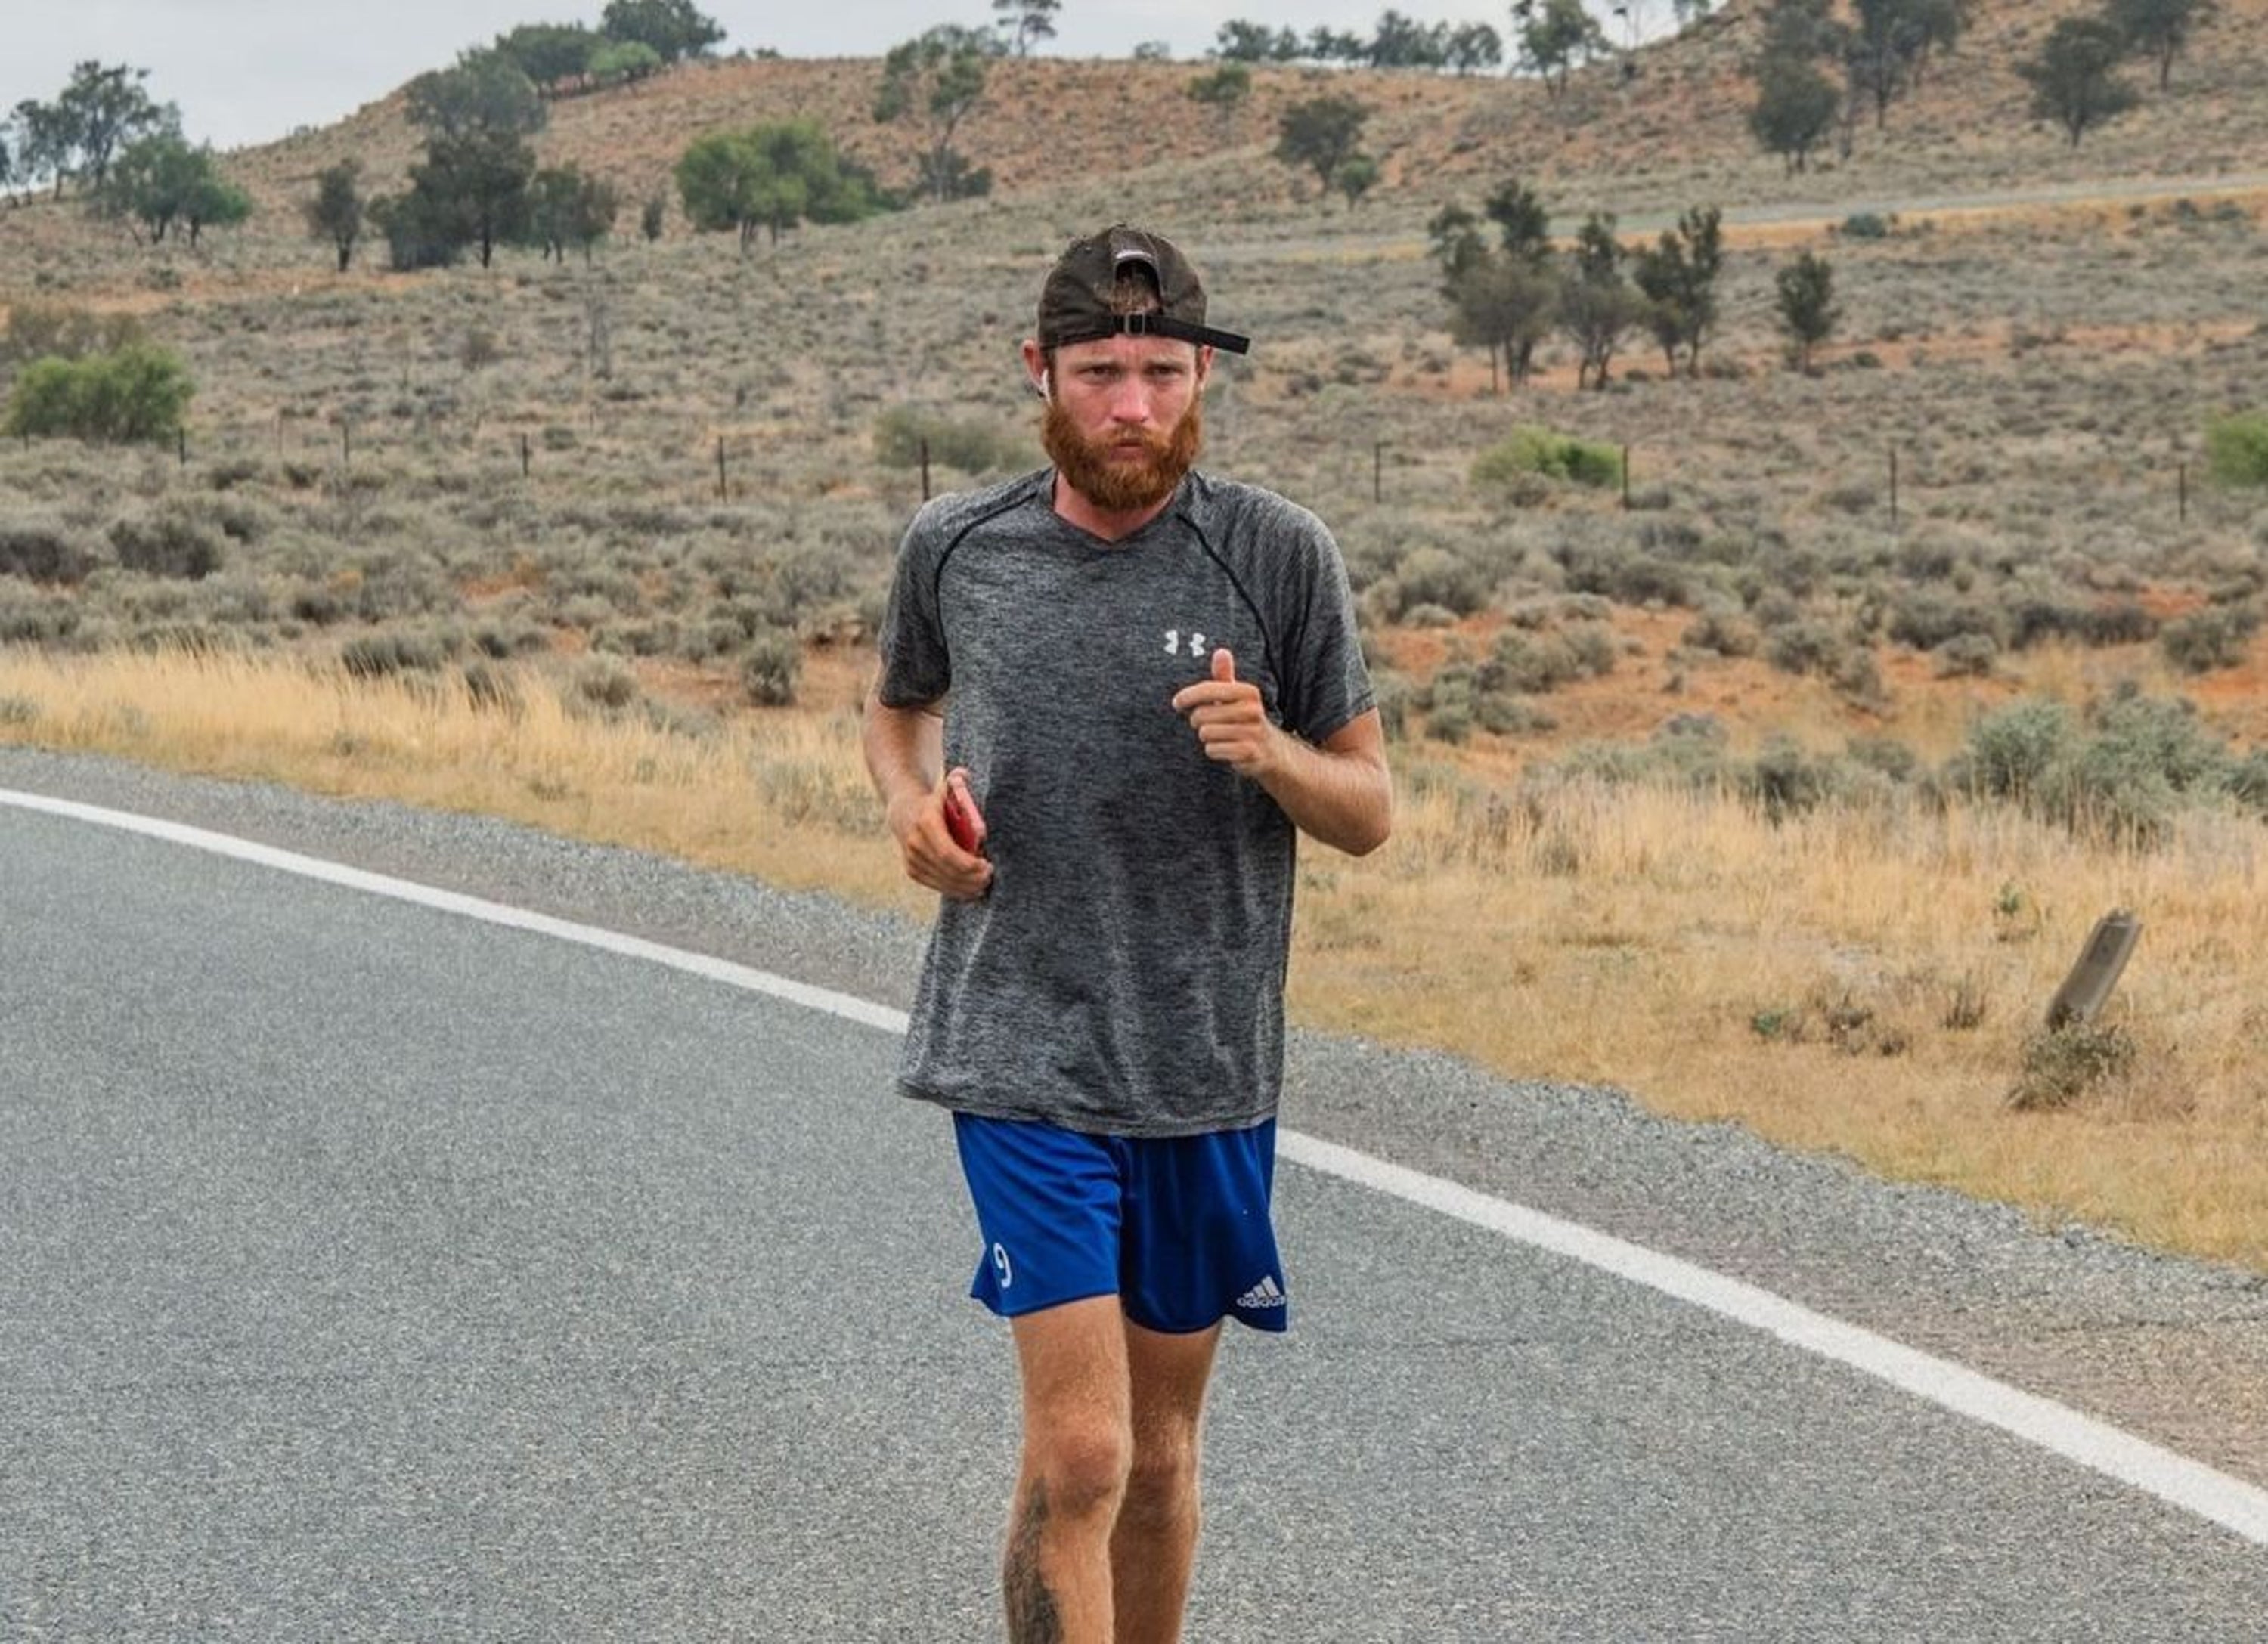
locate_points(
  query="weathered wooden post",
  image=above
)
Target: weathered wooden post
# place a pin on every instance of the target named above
(2087, 988)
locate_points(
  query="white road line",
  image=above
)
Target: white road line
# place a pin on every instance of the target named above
(2175, 1479)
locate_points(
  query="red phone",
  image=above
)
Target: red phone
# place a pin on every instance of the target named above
(962, 820)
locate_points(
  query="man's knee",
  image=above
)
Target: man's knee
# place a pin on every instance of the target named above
(1162, 1482)
(1082, 1461)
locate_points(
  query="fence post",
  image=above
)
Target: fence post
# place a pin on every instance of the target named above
(1894, 485)
(1378, 471)
(2183, 493)
(181, 444)
(724, 486)
(2087, 988)
(346, 443)
(924, 466)
(523, 456)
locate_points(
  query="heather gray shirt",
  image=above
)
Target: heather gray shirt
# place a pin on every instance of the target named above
(1125, 974)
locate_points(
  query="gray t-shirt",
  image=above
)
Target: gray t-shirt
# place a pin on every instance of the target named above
(1125, 973)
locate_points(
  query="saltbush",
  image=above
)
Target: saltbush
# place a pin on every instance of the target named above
(1532, 449)
(901, 432)
(2237, 449)
(136, 393)
(2215, 637)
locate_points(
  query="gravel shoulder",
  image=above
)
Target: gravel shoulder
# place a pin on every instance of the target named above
(2172, 1349)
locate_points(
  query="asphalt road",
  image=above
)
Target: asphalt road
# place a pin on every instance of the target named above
(372, 1272)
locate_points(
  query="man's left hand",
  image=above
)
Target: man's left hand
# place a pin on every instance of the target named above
(1225, 712)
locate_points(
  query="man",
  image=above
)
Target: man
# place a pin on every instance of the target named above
(1136, 682)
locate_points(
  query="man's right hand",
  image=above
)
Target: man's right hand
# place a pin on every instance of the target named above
(925, 843)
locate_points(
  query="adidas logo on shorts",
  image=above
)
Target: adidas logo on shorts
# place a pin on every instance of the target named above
(1265, 1294)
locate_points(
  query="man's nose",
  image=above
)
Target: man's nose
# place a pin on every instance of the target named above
(1131, 401)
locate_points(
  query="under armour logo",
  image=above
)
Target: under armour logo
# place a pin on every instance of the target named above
(1173, 642)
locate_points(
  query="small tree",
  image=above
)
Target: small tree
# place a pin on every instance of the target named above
(43, 142)
(1678, 276)
(1795, 109)
(1501, 305)
(104, 108)
(1226, 91)
(1807, 314)
(1238, 41)
(934, 82)
(674, 28)
(485, 92)
(652, 216)
(336, 213)
(568, 209)
(151, 179)
(551, 53)
(1597, 307)
(1025, 22)
(1473, 48)
(2158, 29)
(773, 177)
(1555, 36)
(623, 62)
(1320, 133)
(1356, 176)
(2073, 79)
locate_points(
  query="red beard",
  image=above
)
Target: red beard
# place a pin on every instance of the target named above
(1112, 481)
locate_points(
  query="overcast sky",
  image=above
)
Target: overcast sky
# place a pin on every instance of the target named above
(248, 70)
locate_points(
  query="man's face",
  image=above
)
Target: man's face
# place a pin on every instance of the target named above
(1122, 423)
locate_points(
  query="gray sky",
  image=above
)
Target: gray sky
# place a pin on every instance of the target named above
(248, 70)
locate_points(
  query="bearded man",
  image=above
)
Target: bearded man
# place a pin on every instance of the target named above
(1112, 695)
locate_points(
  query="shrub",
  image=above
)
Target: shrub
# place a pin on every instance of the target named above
(2206, 640)
(136, 393)
(2062, 1065)
(1925, 619)
(2237, 449)
(1539, 450)
(43, 551)
(168, 544)
(1807, 646)
(1435, 576)
(1866, 225)
(2012, 749)
(901, 432)
(773, 664)
(1726, 632)
(1967, 654)
(382, 656)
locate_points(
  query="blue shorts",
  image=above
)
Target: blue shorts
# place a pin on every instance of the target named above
(1177, 1228)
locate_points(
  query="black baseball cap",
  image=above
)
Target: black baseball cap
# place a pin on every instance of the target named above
(1075, 304)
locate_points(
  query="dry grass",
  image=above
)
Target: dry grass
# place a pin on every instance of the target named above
(1860, 982)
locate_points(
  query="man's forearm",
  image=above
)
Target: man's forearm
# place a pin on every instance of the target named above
(1342, 795)
(905, 752)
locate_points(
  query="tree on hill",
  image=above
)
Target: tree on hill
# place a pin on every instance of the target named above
(2159, 29)
(486, 92)
(674, 28)
(1598, 306)
(623, 62)
(1501, 305)
(1238, 41)
(471, 190)
(2073, 78)
(770, 177)
(1025, 22)
(1404, 42)
(566, 208)
(1805, 295)
(1678, 278)
(335, 212)
(551, 54)
(1473, 48)
(1555, 35)
(43, 145)
(1320, 133)
(933, 83)
(1796, 106)
(105, 108)
(1356, 176)
(1226, 91)
(161, 181)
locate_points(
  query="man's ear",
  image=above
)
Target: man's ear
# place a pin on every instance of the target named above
(1204, 365)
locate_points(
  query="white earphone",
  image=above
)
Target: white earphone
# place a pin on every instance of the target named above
(1042, 387)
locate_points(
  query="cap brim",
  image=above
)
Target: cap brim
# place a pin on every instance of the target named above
(1152, 325)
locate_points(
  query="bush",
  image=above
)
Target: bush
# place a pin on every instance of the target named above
(2237, 449)
(169, 543)
(137, 394)
(1925, 619)
(774, 663)
(1866, 225)
(1434, 577)
(901, 432)
(2012, 749)
(43, 551)
(2062, 1065)
(1538, 450)
(1807, 646)
(2208, 639)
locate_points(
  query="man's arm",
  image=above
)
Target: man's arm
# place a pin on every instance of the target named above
(905, 756)
(1339, 791)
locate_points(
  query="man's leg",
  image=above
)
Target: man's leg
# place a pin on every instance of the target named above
(1155, 1543)
(1078, 1447)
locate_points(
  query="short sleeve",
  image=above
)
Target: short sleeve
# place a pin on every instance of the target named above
(1325, 682)
(917, 668)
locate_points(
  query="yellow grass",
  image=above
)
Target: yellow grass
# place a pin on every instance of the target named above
(1798, 978)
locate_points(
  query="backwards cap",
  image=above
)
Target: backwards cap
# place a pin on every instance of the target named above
(1076, 306)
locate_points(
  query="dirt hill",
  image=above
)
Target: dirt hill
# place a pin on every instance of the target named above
(1659, 121)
